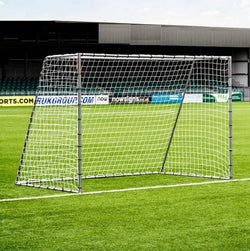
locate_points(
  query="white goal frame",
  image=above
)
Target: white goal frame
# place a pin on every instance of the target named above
(199, 74)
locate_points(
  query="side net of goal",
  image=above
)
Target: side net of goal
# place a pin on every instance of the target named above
(100, 115)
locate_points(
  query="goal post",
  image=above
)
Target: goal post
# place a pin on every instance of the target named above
(105, 115)
(79, 125)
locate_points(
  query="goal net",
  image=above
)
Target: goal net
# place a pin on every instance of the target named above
(99, 115)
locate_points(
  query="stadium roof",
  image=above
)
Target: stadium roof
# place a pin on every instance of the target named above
(171, 35)
(121, 33)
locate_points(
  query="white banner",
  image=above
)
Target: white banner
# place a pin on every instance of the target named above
(72, 100)
(193, 98)
(221, 98)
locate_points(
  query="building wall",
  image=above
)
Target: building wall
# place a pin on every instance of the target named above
(240, 67)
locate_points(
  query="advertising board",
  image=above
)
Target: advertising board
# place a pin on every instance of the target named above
(72, 100)
(17, 100)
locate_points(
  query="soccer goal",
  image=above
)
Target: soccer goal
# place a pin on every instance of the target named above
(99, 115)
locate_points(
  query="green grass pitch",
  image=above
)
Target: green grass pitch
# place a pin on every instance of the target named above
(205, 217)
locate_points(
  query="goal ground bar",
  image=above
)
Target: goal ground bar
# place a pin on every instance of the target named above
(125, 190)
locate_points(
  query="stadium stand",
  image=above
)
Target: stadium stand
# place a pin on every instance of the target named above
(24, 45)
(18, 86)
(28, 86)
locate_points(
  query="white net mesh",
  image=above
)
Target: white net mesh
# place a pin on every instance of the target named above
(130, 106)
(50, 154)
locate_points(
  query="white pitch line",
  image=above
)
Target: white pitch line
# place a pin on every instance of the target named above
(124, 190)
(11, 115)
